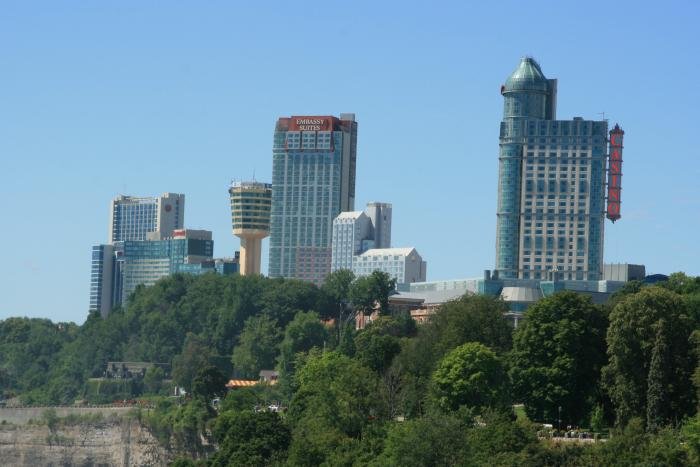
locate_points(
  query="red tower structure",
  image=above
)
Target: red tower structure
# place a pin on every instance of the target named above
(615, 173)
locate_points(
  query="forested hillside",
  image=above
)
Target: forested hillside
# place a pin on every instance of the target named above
(395, 393)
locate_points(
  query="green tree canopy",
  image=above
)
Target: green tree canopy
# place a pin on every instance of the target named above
(471, 376)
(558, 352)
(631, 338)
(304, 333)
(427, 441)
(336, 388)
(337, 285)
(336, 401)
(380, 341)
(258, 346)
(209, 383)
(471, 318)
(195, 356)
(366, 292)
(251, 438)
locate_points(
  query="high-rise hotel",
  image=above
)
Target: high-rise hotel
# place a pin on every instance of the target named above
(313, 180)
(132, 217)
(551, 184)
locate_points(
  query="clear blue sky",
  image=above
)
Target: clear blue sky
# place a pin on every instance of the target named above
(102, 98)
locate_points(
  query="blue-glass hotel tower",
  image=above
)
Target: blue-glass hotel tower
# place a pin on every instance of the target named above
(551, 182)
(313, 180)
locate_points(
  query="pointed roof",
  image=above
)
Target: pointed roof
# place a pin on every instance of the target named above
(527, 77)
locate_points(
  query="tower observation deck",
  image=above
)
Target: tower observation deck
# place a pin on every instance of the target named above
(250, 217)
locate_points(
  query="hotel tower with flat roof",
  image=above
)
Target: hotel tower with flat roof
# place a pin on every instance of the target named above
(313, 180)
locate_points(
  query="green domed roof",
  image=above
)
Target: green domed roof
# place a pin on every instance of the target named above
(527, 77)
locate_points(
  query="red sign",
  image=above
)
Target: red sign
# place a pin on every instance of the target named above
(615, 173)
(311, 123)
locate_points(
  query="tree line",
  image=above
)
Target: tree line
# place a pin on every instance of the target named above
(395, 392)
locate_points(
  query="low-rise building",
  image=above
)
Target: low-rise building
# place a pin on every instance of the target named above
(403, 264)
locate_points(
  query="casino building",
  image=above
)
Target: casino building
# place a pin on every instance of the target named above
(313, 180)
(551, 184)
(552, 205)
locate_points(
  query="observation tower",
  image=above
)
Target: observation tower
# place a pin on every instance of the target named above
(250, 217)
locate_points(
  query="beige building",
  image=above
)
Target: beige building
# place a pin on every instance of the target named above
(250, 217)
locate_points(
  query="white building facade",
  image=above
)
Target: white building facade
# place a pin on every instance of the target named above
(351, 232)
(403, 264)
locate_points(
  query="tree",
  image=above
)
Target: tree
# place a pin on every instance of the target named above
(597, 419)
(631, 338)
(470, 318)
(380, 341)
(283, 298)
(501, 441)
(209, 383)
(336, 401)
(471, 376)
(153, 380)
(301, 335)
(695, 343)
(431, 440)
(338, 389)
(558, 353)
(367, 292)
(258, 346)
(336, 287)
(195, 355)
(251, 438)
(658, 407)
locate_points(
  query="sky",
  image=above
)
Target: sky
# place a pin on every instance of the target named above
(130, 97)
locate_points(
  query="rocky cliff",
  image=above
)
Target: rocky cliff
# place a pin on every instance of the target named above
(112, 442)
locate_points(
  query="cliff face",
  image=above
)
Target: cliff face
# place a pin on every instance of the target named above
(123, 442)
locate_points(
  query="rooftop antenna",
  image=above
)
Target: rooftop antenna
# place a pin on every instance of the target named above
(253, 174)
(602, 114)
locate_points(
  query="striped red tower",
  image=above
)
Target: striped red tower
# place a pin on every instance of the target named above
(615, 173)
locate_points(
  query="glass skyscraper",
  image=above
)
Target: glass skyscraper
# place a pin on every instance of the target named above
(551, 182)
(133, 217)
(313, 180)
(144, 262)
(101, 277)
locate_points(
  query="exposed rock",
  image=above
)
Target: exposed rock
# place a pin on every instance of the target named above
(123, 442)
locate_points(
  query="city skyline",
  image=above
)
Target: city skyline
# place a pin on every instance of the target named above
(82, 114)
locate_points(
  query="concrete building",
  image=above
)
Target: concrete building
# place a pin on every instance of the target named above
(624, 272)
(250, 217)
(403, 264)
(313, 180)
(551, 186)
(131, 217)
(380, 215)
(352, 235)
(517, 293)
(355, 232)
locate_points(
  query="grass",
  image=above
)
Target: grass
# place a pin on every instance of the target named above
(520, 414)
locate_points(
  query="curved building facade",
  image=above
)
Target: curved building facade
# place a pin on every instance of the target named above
(250, 218)
(551, 183)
